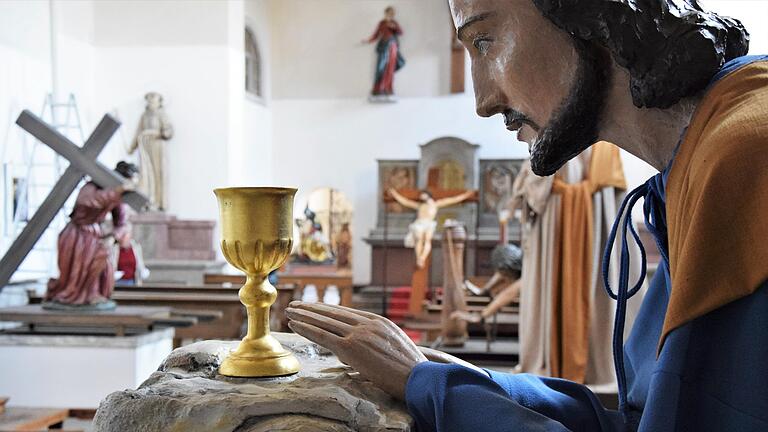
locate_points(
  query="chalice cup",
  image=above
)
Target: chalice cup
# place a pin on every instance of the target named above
(256, 237)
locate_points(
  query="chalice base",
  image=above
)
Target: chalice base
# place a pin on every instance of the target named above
(262, 357)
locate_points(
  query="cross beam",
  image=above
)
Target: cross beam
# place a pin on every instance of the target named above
(82, 162)
(101, 175)
(413, 194)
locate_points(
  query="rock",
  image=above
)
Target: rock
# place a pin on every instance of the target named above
(187, 394)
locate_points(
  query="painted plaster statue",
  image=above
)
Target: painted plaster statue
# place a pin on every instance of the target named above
(154, 129)
(670, 83)
(388, 57)
(86, 273)
(421, 231)
(343, 246)
(313, 244)
(128, 260)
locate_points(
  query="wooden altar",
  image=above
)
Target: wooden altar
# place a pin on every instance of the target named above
(445, 163)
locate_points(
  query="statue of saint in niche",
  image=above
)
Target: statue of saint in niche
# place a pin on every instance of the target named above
(388, 57)
(154, 128)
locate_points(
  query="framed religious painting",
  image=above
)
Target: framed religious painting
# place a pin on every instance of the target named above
(496, 179)
(396, 174)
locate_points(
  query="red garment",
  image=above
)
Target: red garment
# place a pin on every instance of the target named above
(385, 30)
(384, 85)
(86, 275)
(126, 263)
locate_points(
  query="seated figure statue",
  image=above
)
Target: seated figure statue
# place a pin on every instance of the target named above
(670, 83)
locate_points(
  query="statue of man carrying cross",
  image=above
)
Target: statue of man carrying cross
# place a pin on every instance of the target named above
(82, 162)
(86, 273)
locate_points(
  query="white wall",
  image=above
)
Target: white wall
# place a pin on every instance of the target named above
(255, 159)
(25, 79)
(320, 55)
(181, 50)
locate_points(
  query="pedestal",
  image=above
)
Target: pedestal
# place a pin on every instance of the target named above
(190, 272)
(76, 371)
(187, 393)
(164, 237)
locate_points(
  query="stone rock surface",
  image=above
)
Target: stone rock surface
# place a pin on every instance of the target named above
(188, 394)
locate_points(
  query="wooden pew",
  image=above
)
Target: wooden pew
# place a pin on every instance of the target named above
(341, 279)
(32, 419)
(222, 299)
(120, 321)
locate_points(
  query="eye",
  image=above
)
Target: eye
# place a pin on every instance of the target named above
(482, 44)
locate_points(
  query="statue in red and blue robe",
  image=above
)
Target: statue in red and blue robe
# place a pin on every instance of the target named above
(388, 59)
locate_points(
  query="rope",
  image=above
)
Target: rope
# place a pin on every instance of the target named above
(655, 219)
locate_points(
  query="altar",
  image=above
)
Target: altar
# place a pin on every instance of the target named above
(446, 163)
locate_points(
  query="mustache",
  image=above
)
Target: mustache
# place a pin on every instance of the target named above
(515, 119)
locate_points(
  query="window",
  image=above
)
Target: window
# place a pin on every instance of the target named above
(252, 65)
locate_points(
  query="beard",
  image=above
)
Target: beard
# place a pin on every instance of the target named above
(574, 125)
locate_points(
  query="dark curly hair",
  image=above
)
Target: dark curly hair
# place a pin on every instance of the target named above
(671, 48)
(126, 169)
(507, 259)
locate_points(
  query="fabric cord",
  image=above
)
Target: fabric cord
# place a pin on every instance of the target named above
(655, 219)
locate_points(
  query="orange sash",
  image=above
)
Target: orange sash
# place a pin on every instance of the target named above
(717, 199)
(572, 286)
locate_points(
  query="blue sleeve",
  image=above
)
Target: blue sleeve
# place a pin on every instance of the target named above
(448, 397)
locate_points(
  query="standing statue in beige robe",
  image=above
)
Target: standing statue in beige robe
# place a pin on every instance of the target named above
(566, 318)
(154, 128)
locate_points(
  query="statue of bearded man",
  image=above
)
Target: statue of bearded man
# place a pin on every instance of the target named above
(154, 129)
(670, 83)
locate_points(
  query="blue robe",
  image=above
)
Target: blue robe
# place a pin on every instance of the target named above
(711, 373)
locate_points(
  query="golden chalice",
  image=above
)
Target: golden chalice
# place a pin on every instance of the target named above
(256, 237)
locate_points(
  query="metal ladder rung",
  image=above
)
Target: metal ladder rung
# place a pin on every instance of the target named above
(68, 124)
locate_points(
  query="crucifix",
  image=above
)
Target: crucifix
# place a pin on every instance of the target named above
(426, 202)
(82, 162)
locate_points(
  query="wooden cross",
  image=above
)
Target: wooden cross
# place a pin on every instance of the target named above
(82, 162)
(432, 187)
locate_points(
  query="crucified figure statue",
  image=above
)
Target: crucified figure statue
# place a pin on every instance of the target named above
(421, 231)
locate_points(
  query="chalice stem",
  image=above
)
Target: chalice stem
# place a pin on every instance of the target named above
(258, 322)
(255, 295)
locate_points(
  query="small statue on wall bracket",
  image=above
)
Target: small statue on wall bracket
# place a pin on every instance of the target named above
(388, 57)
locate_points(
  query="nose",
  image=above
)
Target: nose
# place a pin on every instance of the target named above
(489, 99)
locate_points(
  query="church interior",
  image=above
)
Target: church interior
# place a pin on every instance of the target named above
(175, 173)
